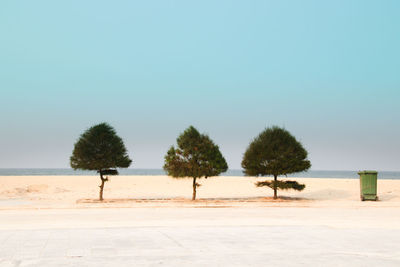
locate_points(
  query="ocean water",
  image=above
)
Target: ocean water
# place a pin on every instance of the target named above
(308, 174)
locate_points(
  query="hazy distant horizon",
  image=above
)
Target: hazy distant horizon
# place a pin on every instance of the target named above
(133, 168)
(327, 71)
(353, 174)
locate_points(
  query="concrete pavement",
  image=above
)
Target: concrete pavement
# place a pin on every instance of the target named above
(227, 238)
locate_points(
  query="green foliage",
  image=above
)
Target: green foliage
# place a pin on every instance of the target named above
(275, 152)
(196, 156)
(284, 185)
(108, 172)
(100, 148)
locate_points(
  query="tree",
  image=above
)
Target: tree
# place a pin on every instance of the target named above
(275, 152)
(99, 148)
(196, 157)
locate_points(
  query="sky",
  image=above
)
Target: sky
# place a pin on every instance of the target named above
(327, 71)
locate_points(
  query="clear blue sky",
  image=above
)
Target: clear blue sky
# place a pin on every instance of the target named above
(328, 71)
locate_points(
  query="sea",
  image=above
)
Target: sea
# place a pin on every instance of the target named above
(308, 174)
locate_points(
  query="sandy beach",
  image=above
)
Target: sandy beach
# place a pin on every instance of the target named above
(25, 192)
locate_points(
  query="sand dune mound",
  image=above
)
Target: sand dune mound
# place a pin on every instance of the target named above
(37, 188)
(21, 191)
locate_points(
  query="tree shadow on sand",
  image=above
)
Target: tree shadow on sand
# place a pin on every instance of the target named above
(200, 200)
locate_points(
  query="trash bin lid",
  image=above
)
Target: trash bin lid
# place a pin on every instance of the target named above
(367, 172)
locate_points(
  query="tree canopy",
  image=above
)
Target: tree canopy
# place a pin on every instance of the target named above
(275, 152)
(100, 148)
(196, 156)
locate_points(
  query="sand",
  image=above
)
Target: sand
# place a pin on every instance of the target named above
(27, 192)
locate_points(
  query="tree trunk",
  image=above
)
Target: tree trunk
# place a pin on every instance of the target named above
(275, 189)
(194, 188)
(103, 180)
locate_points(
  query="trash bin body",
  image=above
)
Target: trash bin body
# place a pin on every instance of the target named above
(368, 185)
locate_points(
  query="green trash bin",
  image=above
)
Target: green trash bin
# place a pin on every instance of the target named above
(368, 185)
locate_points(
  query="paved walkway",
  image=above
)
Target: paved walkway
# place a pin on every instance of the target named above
(189, 244)
(200, 246)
